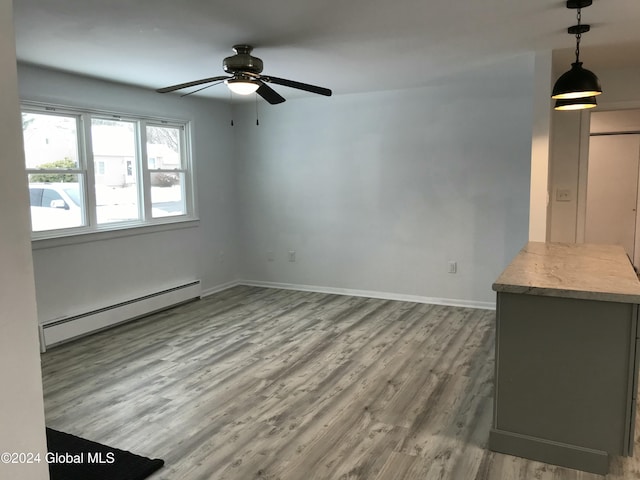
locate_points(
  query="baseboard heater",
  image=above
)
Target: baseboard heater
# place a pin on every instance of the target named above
(64, 329)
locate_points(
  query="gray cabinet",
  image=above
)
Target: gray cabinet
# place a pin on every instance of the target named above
(566, 371)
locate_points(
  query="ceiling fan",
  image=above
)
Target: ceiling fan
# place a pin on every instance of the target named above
(245, 78)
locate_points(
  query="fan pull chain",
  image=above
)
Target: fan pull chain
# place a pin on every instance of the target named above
(231, 102)
(257, 121)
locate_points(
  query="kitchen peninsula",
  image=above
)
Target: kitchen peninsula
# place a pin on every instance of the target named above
(566, 355)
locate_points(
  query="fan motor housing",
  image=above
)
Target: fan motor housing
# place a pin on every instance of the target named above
(242, 61)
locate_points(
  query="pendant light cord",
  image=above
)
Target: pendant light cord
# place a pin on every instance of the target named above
(578, 36)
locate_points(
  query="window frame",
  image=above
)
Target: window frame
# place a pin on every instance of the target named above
(86, 170)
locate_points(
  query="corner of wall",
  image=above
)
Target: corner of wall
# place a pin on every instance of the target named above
(540, 149)
(22, 414)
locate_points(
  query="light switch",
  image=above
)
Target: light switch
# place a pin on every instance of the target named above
(563, 195)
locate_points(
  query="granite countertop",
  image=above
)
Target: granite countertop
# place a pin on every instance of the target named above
(584, 271)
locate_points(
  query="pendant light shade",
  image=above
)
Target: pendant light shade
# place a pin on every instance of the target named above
(576, 83)
(576, 103)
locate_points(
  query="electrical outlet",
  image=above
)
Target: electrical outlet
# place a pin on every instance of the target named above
(292, 255)
(270, 256)
(453, 267)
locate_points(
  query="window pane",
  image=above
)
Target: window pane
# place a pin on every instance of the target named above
(167, 194)
(56, 202)
(163, 148)
(114, 156)
(50, 141)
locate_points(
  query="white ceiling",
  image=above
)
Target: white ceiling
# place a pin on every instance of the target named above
(347, 45)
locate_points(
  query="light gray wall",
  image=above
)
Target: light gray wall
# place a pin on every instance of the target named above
(565, 157)
(570, 133)
(21, 406)
(76, 278)
(375, 192)
(378, 191)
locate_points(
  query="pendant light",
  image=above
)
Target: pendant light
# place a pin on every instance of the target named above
(578, 82)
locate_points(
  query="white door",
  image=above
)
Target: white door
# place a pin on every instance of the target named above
(612, 191)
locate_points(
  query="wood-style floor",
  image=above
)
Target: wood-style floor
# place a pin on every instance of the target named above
(255, 383)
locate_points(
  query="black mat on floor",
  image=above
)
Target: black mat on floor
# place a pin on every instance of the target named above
(74, 458)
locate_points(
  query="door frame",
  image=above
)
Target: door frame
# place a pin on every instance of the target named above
(583, 170)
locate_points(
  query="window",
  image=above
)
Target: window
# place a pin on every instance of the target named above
(167, 170)
(90, 171)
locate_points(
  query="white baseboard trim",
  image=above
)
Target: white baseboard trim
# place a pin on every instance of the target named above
(372, 294)
(220, 288)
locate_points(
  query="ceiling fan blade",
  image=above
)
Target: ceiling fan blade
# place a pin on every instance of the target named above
(298, 85)
(201, 88)
(269, 94)
(180, 86)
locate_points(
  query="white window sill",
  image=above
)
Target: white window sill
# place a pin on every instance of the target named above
(76, 237)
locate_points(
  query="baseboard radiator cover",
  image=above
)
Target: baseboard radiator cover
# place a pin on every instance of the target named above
(62, 330)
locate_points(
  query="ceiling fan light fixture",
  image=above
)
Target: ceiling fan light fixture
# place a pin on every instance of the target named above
(583, 103)
(576, 83)
(242, 86)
